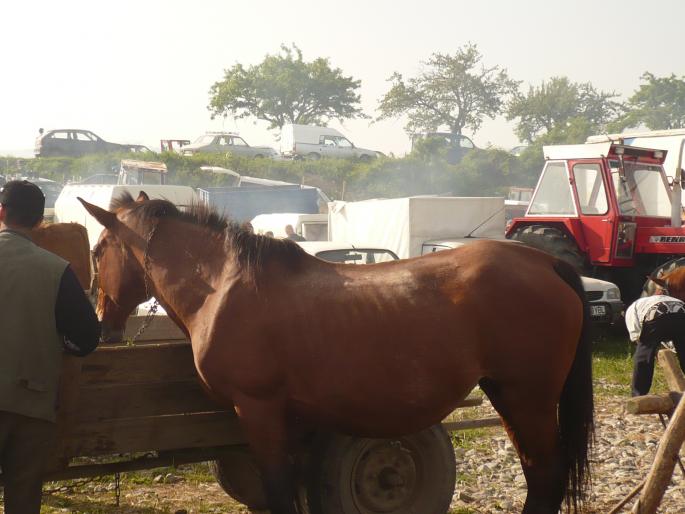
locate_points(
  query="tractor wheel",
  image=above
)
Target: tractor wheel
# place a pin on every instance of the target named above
(553, 241)
(406, 475)
(239, 477)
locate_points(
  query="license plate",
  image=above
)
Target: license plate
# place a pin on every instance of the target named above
(598, 310)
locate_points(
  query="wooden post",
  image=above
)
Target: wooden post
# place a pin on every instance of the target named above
(675, 379)
(664, 462)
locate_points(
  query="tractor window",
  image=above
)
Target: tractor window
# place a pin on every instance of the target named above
(590, 186)
(553, 196)
(644, 190)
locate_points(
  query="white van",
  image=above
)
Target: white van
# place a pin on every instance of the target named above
(311, 142)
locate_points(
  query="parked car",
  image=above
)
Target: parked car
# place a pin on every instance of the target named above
(227, 142)
(77, 142)
(457, 145)
(51, 191)
(312, 142)
(346, 253)
(518, 150)
(606, 306)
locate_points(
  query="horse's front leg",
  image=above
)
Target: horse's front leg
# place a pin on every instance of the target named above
(264, 423)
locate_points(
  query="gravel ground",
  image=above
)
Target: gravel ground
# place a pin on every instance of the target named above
(624, 450)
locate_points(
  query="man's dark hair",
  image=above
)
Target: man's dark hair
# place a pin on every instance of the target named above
(23, 202)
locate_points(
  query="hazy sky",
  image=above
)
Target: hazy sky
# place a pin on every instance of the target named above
(140, 71)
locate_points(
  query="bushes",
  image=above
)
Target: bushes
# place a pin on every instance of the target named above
(480, 172)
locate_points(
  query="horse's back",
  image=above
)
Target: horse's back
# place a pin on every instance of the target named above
(69, 241)
(529, 315)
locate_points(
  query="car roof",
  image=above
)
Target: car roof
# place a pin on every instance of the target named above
(315, 247)
(67, 130)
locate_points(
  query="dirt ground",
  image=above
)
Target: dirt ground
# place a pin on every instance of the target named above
(489, 477)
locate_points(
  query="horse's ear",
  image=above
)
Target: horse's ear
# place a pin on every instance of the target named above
(142, 197)
(105, 218)
(658, 281)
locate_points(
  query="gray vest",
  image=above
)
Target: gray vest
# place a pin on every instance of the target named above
(30, 347)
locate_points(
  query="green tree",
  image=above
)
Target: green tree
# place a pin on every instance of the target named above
(659, 103)
(558, 105)
(456, 91)
(284, 89)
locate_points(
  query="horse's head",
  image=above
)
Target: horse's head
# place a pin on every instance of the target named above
(673, 283)
(121, 278)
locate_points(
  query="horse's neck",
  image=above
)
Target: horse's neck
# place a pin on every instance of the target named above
(187, 265)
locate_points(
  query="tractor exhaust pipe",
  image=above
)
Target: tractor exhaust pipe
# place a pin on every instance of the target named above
(677, 191)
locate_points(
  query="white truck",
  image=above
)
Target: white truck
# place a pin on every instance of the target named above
(416, 225)
(311, 142)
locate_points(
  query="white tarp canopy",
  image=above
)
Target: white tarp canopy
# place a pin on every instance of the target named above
(404, 224)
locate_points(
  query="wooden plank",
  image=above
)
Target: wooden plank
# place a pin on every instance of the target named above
(140, 400)
(157, 433)
(139, 364)
(160, 329)
(653, 404)
(469, 424)
(68, 405)
(470, 401)
(675, 379)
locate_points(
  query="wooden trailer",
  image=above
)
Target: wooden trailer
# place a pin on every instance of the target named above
(141, 406)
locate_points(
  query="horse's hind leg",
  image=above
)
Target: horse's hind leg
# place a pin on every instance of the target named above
(264, 423)
(533, 429)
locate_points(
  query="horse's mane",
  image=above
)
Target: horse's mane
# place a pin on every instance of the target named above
(251, 250)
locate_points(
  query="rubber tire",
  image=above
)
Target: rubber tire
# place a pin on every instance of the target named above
(259, 156)
(239, 477)
(336, 470)
(313, 156)
(553, 241)
(365, 158)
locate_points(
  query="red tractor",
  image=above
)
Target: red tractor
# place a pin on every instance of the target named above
(608, 209)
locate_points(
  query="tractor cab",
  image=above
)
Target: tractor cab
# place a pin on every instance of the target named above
(604, 205)
(134, 172)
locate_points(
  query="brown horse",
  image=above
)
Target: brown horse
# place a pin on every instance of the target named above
(69, 241)
(378, 351)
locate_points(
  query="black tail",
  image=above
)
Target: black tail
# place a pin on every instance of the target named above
(576, 405)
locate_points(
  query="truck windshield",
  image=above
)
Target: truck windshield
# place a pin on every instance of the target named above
(643, 192)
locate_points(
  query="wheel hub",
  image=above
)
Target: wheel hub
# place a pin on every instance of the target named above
(385, 478)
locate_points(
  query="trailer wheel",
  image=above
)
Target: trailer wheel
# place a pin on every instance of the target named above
(407, 475)
(313, 156)
(239, 477)
(553, 241)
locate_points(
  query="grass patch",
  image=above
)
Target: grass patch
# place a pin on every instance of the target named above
(613, 367)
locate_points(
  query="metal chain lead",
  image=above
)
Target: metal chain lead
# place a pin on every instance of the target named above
(148, 292)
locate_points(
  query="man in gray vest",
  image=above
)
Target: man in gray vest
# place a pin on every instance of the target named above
(43, 312)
